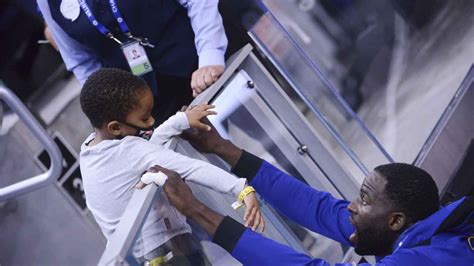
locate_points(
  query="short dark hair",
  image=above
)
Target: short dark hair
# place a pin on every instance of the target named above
(411, 189)
(109, 94)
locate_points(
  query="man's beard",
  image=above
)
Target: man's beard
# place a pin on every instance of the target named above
(373, 240)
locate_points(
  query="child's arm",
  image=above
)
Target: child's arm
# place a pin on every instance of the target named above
(204, 174)
(247, 197)
(181, 121)
(170, 128)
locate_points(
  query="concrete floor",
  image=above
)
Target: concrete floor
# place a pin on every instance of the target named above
(43, 227)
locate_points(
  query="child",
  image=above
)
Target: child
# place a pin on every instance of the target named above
(112, 159)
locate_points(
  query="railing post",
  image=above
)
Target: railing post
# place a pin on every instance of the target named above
(45, 140)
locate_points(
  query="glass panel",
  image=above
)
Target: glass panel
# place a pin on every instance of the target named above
(392, 61)
(247, 119)
(164, 222)
(241, 114)
(316, 98)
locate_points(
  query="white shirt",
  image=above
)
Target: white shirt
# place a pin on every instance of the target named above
(210, 39)
(111, 168)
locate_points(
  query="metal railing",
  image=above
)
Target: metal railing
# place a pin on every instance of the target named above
(117, 251)
(45, 140)
(328, 87)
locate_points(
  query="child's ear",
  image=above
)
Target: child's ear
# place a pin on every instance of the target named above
(114, 128)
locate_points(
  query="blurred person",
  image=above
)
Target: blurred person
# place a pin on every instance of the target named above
(181, 42)
(20, 29)
(49, 37)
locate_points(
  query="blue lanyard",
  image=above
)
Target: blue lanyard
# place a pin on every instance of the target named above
(118, 17)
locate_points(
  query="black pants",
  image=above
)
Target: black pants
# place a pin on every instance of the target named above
(173, 93)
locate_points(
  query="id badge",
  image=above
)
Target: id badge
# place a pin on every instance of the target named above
(136, 58)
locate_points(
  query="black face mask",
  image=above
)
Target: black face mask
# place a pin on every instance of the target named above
(144, 133)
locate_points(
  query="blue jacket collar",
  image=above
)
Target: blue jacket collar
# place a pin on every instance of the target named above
(427, 228)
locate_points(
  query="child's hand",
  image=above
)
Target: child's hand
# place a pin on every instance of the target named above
(252, 217)
(140, 185)
(196, 113)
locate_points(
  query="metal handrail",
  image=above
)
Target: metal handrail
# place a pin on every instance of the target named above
(119, 246)
(43, 137)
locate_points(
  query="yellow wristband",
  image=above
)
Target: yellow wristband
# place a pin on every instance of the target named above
(245, 192)
(161, 259)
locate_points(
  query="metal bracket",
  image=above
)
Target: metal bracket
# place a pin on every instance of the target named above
(302, 149)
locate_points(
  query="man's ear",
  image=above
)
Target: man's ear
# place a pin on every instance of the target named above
(397, 221)
(114, 128)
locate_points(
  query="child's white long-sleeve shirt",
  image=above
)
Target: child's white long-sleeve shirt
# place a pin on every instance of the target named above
(111, 168)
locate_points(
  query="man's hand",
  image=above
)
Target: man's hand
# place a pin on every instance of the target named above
(204, 77)
(205, 141)
(182, 198)
(212, 142)
(179, 194)
(198, 112)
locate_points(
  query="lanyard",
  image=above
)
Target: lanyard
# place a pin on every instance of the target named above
(118, 17)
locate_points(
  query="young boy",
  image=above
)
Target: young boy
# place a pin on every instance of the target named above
(112, 159)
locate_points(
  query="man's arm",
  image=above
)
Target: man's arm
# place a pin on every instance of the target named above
(193, 170)
(209, 141)
(182, 198)
(317, 211)
(77, 58)
(248, 247)
(210, 41)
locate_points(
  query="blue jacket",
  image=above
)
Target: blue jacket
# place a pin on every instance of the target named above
(441, 239)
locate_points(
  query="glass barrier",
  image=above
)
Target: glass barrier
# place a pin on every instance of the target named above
(245, 119)
(249, 119)
(383, 58)
(318, 100)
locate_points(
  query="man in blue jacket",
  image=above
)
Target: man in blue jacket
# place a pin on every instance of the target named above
(396, 217)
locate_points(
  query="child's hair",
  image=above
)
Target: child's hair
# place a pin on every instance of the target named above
(110, 94)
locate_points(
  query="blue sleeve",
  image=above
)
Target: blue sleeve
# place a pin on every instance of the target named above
(315, 210)
(255, 249)
(210, 39)
(251, 248)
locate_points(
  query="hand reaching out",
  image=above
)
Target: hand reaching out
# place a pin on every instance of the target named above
(196, 113)
(181, 196)
(211, 142)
